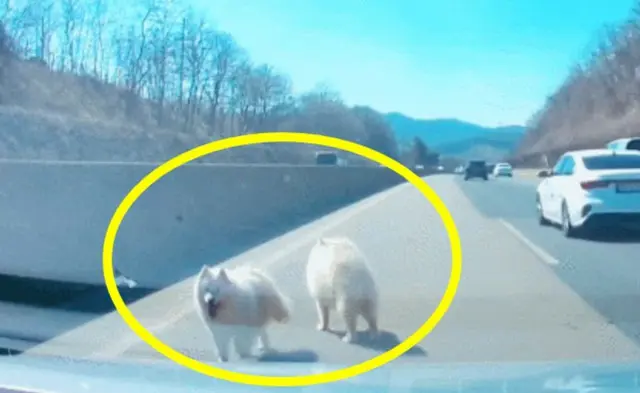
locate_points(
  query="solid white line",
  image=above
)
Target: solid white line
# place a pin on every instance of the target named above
(540, 253)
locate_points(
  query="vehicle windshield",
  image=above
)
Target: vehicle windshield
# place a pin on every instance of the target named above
(634, 144)
(305, 181)
(327, 158)
(606, 162)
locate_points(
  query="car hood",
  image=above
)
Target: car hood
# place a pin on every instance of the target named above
(38, 374)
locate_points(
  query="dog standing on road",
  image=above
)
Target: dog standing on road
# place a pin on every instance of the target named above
(237, 305)
(339, 278)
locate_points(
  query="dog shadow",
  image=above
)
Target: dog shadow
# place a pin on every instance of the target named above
(296, 356)
(384, 342)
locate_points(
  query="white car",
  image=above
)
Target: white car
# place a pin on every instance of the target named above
(503, 169)
(588, 189)
(624, 144)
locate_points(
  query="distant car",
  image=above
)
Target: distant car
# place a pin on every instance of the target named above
(624, 144)
(476, 169)
(326, 158)
(503, 169)
(588, 189)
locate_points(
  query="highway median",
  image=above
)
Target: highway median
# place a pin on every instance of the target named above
(57, 214)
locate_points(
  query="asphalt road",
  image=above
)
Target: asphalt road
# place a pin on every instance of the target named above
(602, 269)
(526, 293)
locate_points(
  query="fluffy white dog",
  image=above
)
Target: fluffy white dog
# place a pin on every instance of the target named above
(339, 278)
(237, 305)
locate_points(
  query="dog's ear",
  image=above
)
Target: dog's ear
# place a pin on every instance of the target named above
(222, 274)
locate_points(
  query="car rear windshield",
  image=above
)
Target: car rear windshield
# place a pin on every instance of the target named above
(477, 163)
(326, 159)
(621, 161)
(634, 144)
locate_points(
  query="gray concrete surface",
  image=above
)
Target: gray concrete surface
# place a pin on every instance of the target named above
(602, 269)
(54, 215)
(511, 306)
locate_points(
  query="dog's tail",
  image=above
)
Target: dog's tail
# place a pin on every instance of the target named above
(279, 306)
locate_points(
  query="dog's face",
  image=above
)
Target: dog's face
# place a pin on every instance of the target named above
(216, 289)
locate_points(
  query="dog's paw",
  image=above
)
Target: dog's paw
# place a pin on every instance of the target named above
(322, 327)
(348, 338)
(222, 359)
(265, 351)
(263, 348)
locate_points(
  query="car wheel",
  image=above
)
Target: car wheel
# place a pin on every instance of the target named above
(567, 228)
(541, 219)
(485, 177)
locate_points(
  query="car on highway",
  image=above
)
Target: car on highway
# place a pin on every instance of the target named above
(591, 189)
(476, 169)
(624, 144)
(326, 158)
(503, 169)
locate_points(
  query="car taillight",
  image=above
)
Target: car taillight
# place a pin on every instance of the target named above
(595, 184)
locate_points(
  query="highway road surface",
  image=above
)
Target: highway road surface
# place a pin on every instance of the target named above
(526, 294)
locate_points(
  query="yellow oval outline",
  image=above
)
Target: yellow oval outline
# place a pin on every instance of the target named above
(281, 381)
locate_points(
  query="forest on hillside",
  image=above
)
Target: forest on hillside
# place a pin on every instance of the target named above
(157, 69)
(598, 101)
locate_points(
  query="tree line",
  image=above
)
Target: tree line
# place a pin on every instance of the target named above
(601, 87)
(195, 77)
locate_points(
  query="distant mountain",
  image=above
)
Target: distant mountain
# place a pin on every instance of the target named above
(457, 138)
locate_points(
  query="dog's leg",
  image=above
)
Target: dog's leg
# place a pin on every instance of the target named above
(323, 316)
(244, 340)
(369, 313)
(345, 308)
(222, 338)
(265, 343)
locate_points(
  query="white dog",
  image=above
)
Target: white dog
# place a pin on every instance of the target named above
(237, 305)
(339, 278)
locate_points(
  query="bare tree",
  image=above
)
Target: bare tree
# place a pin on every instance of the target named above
(72, 21)
(225, 58)
(99, 22)
(174, 69)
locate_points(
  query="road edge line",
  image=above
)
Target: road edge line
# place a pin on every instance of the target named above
(539, 252)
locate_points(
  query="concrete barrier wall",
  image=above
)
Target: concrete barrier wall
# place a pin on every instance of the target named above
(54, 216)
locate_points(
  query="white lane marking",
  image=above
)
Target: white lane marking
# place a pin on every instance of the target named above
(539, 252)
(175, 316)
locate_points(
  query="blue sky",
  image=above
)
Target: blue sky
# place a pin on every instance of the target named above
(486, 61)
